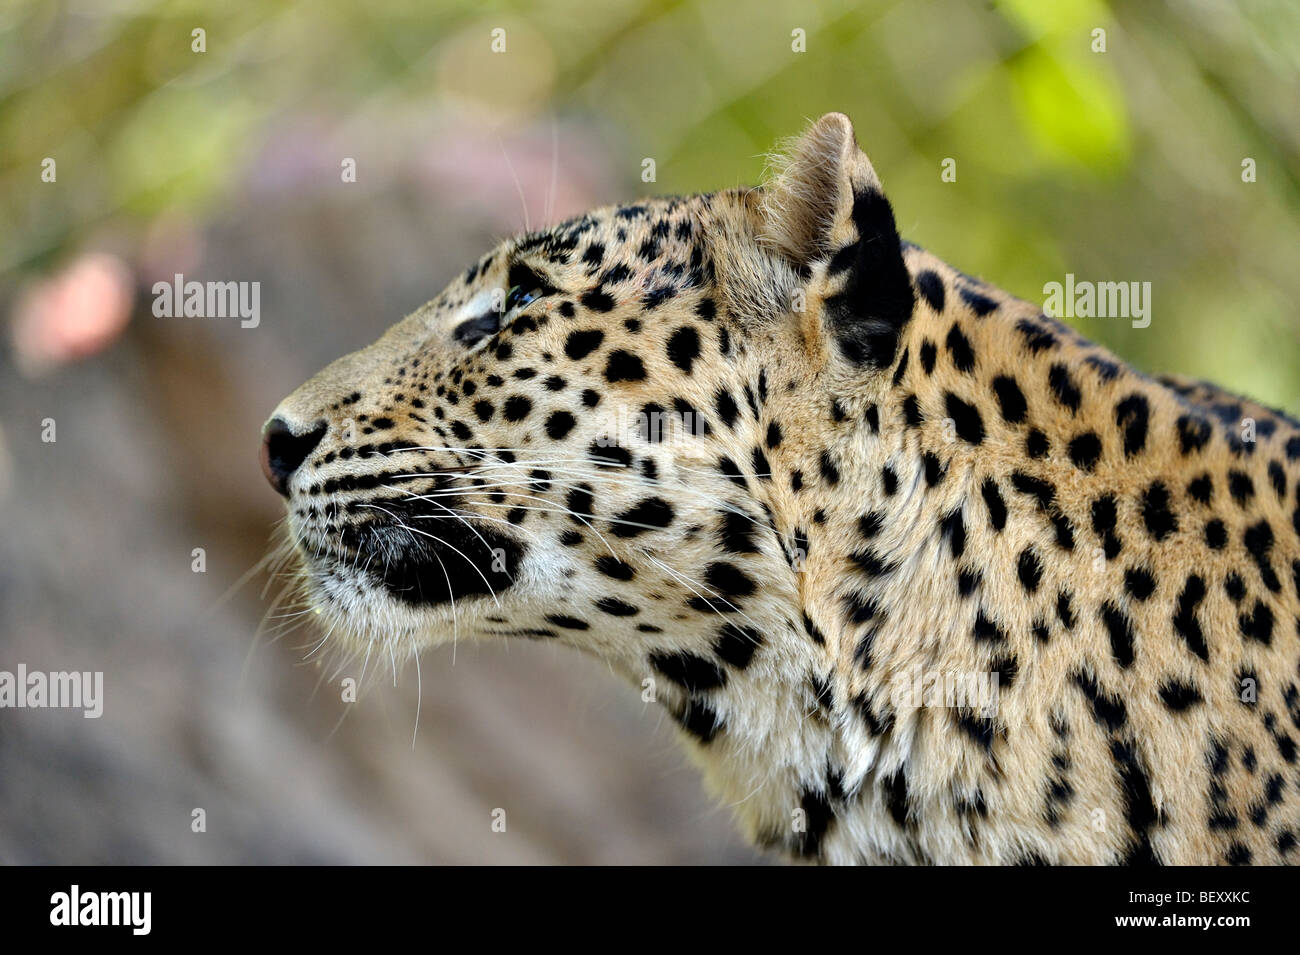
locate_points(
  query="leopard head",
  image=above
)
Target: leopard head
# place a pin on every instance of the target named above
(596, 432)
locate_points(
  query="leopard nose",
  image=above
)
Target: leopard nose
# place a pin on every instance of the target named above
(283, 451)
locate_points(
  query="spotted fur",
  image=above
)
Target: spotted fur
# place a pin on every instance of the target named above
(847, 463)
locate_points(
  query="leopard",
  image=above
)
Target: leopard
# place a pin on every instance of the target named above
(919, 574)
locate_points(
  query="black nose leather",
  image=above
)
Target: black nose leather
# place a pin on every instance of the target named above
(283, 451)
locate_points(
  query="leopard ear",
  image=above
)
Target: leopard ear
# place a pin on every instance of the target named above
(824, 208)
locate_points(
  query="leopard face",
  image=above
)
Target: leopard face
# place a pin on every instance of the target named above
(536, 452)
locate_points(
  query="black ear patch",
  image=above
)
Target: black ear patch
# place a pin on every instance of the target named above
(877, 299)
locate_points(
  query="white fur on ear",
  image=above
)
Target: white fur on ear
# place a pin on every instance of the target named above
(808, 200)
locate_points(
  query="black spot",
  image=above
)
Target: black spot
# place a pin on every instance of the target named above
(963, 356)
(1120, 628)
(1216, 535)
(598, 300)
(1139, 806)
(1258, 626)
(736, 645)
(1179, 696)
(624, 366)
(931, 288)
(928, 354)
(590, 398)
(645, 515)
(732, 471)
(728, 580)
(579, 502)
(1201, 489)
(1241, 487)
(694, 673)
(727, 408)
(611, 566)
(934, 468)
(902, 367)
(737, 533)
(582, 343)
(700, 720)
(1106, 369)
(1277, 478)
(993, 500)
(1084, 450)
(1011, 399)
(684, 348)
(615, 607)
(970, 426)
(830, 473)
(912, 411)
(1064, 612)
(1103, 524)
(609, 455)
(1159, 520)
(1063, 386)
(1109, 711)
(978, 728)
(818, 816)
(558, 424)
(773, 435)
(1036, 337)
(981, 305)
(872, 416)
(987, 630)
(1258, 539)
(517, 408)
(870, 563)
(894, 791)
(1139, 582)
(889, 481)
(869, 524)
(1036, 444)
(1185, 622)
(813, 631)
(1007, 667)
(1193, 432)
(1132, 415)
(1030, 569)
(952, 527)
(1040, 490)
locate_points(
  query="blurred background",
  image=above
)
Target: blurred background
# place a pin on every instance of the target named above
(221, 155)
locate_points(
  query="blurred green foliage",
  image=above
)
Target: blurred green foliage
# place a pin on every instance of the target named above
(1117, 165)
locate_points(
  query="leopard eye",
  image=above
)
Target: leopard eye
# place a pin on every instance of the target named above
(518, 298)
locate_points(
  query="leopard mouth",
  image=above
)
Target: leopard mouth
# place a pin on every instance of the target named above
(419, 557)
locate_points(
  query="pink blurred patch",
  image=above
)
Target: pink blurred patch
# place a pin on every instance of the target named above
(72, 315)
